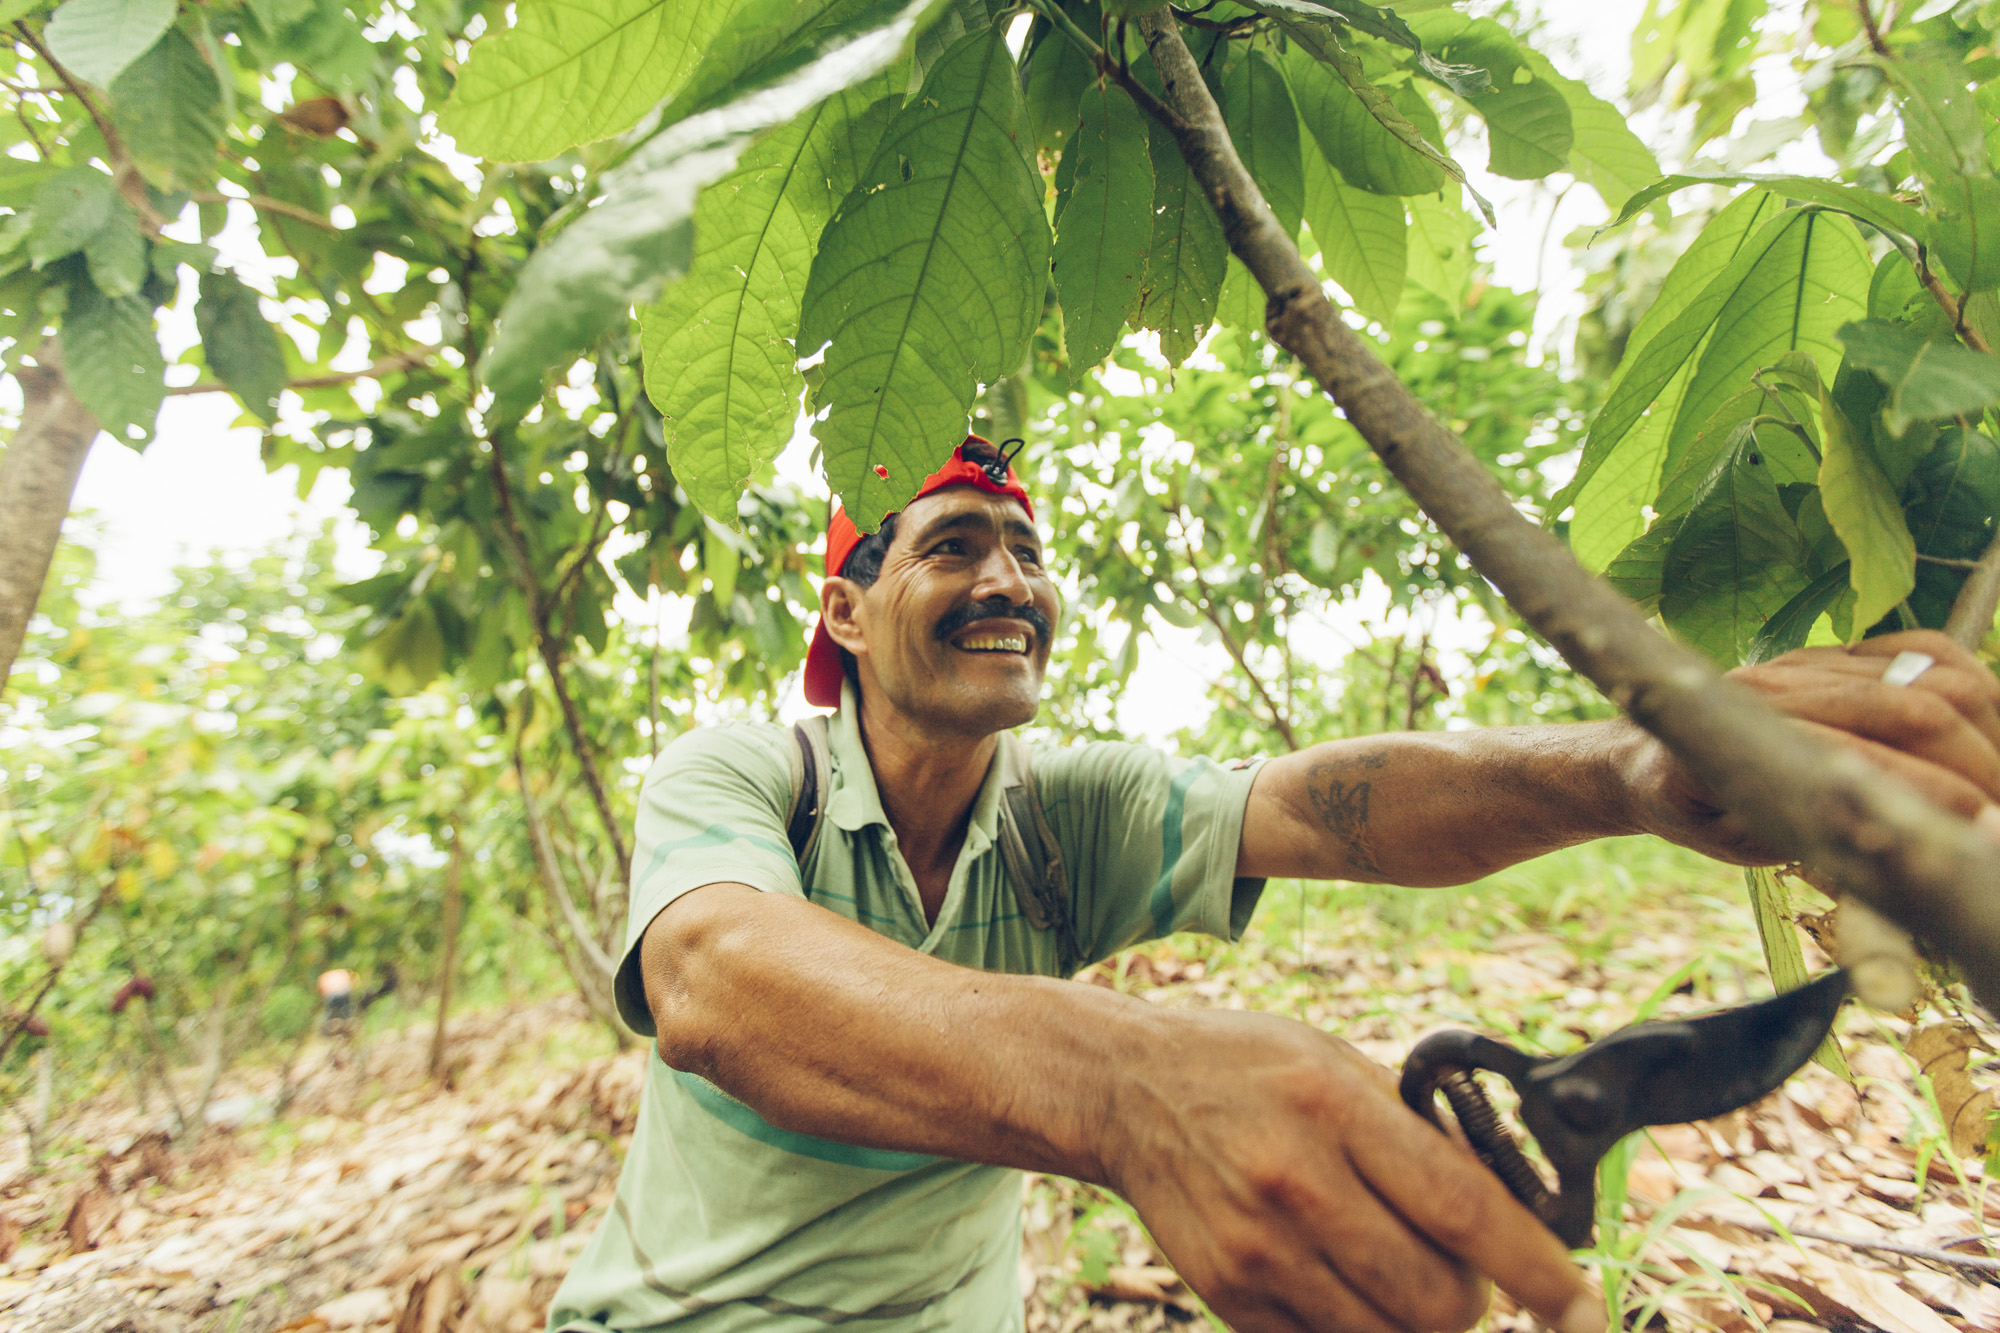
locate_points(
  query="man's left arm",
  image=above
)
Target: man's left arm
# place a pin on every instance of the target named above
(1434, 808)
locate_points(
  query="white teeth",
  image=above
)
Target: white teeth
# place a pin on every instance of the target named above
(1011, 643)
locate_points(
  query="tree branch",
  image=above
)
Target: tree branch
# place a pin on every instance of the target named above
(1869, 834)
(264, 203)
(388, 365)
(38, 475)
(130, 185)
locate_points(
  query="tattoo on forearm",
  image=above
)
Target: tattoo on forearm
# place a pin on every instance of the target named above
(1342, 804)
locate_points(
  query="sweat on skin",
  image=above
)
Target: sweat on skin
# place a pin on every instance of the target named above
(854, 1057)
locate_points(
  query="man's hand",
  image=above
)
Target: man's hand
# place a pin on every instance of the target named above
(1940, 734)
(1290, 1186)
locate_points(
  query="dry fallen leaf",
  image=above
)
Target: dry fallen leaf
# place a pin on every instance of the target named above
(1941, 1051)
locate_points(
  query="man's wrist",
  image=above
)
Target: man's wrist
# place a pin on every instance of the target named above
(1624, 776)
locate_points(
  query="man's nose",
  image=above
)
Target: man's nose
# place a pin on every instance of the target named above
(1001, 575)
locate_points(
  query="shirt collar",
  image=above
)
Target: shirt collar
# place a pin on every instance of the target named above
(856, 801)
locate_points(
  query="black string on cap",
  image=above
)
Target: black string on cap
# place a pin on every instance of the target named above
(996, 470)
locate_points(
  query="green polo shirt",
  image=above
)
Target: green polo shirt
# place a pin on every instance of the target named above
(722, 1221)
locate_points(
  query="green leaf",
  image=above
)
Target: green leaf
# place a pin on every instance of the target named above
(1865, 510)
(1185, 259)
(1735, 560)
(70, 209)
(1058, 73)
(1604, 153)
(1353, 140)
(1264, 125)
(1946, 132)
(929, 279)
(1952, 504)
(1611, 504)
(718, 351)
(762, 41)
(1879, 211)
(116, 255)
(1927, 379)
(1465, 80)
(409, 653)
(1101, 234)
(165, 106)
(1637, 570)
(569, 73)
(579, 284)
(241, 347)
(1362, 240)
(1807, 281)
(1440, 245)
(95, 39)
(1528, 125)
(1666, 338)
(1793, 623)
(1783, 956)
(113, 361)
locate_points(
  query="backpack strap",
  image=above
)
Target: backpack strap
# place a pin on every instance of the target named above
(812, 766)
(1032, 855)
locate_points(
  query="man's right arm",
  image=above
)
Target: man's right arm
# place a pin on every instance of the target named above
(1274, 1164)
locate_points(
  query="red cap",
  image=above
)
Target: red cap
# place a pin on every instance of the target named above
(823, 672)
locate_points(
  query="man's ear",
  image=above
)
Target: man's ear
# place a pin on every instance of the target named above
(840, 612)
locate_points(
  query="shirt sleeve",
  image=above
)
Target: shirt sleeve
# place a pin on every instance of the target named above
(1151, 842)
(712, 810)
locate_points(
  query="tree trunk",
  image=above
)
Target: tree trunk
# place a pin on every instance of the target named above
(1870, 834)
(454, 909)
(215, 1058)
(37, 478)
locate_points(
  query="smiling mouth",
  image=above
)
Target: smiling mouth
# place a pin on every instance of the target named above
(1004, 642)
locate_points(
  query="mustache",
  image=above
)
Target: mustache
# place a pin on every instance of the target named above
(996, 608)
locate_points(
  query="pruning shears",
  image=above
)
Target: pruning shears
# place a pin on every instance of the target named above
(1578, 1106)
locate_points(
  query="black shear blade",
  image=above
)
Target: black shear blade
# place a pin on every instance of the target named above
(1699, 1068)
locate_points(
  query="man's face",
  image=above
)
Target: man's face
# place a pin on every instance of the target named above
(955, 631)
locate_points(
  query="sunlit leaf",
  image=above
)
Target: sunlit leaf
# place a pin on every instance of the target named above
(1362, 240)
(1927, 379)
(928, 281)
(1101, 234)
(1876, 209)
(1186, 258)
(718, 344)
(1464, 80)
(569, 73)
(1264, 125)
(1440, 244)
(1604, 153)
(1865, 510)
(96, 39)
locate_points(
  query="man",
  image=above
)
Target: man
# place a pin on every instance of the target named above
(850, 1054)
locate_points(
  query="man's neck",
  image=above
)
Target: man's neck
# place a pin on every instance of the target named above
(927, 785)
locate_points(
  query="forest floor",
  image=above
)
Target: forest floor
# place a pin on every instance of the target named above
(382, 1201)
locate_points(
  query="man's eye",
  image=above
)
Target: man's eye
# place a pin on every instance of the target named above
(949, 546)
(1027, 555)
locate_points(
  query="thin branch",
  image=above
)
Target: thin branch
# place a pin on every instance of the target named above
(388, 365)
(1978, 599)
(1974, 1261)
(1945, 300)
(264, 203)
(1867, 833)
(122, 171)
(26, 1015)
(1208, 612)
(552, 876)
(1874, 33)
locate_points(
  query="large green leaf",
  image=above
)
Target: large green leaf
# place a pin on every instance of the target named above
(567, 73)
(1101, 235)
(1878, 210)
(762, 41)
(1952, 504)
(1362, 240)
(1057, 73)
(240, 345)
(1637, 570)
(1611, 504)
(1366, 152)
(1264, 125)
(71, 208)
(1440, 244)
(1529, 131)
(1736, 560)
(1186, 257)
(1669, 333)
(113, 361)
(166, 105)
(1865, 510)
(1927, 379)
(1793, 623)
(581, 283)
(116, 255)
(1464, 80)
(718, 351)
(1946, 131)
(929, 279)
(1811, 278)
(1604, 153)
(96, 39)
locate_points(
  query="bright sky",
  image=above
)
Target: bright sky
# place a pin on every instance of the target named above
(200, 486)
